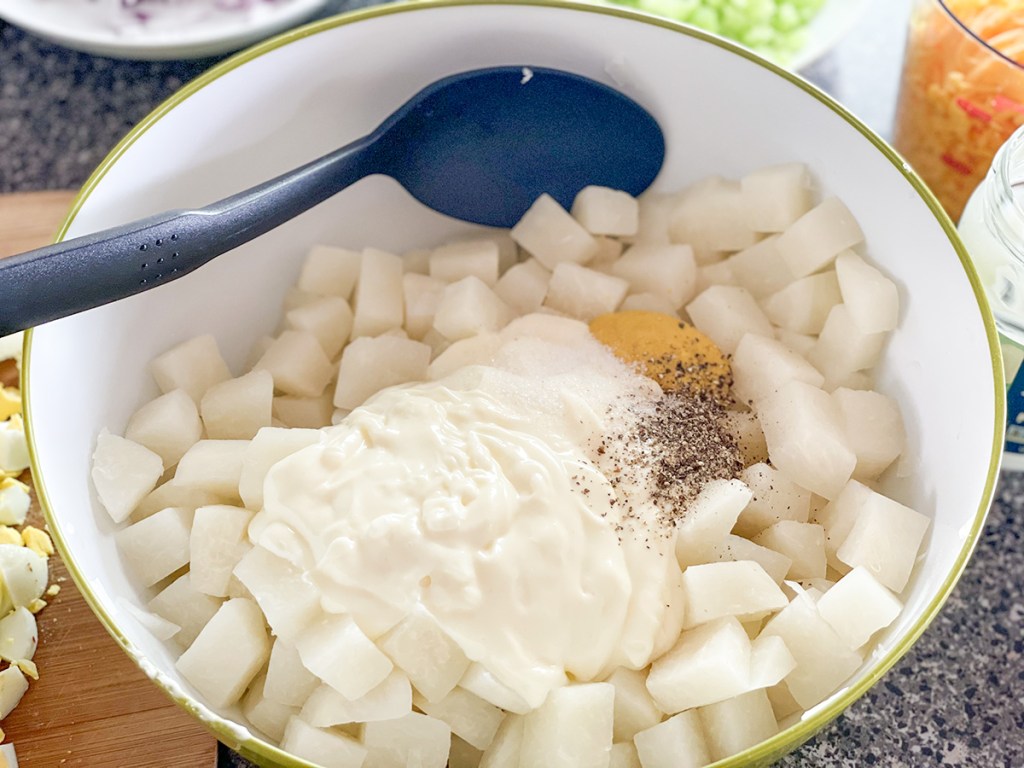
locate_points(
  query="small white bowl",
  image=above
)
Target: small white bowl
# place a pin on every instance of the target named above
(723, 111)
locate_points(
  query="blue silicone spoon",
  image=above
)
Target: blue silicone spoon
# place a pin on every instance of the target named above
(479, 146)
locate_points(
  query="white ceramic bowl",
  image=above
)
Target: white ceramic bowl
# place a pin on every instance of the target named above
(277, 105)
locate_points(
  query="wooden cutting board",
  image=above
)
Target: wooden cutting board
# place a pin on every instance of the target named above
(91, 707)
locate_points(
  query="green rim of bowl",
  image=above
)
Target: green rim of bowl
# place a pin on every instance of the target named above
(786, 740)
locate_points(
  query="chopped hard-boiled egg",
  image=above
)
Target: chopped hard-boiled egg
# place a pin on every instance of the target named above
(24, 571)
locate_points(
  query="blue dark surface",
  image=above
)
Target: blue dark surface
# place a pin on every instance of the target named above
(956, 699)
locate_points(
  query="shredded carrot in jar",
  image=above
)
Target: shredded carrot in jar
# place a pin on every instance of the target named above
(959, 99)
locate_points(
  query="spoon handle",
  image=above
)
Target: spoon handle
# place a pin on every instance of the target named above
(85, 272)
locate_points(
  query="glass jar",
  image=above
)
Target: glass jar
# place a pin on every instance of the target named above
(992, 229)
(962, 91)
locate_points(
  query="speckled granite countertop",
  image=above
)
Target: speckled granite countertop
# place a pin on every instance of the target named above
(957, 698)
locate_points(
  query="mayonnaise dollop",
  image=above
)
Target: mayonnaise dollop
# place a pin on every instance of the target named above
(476, 499)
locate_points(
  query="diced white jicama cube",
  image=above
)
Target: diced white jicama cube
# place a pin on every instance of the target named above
(416, 261)
(411, 740)
(217, 542)
(776, 196)
(711, 216)
(775, 497)
(454, 261)
(733, 725)
(12, 687)
(874, 429)
(708, 664)
(476, 350)
(469, 307)
(623, 755)
(885, 539)
(368, 365)
(329, 271)
(735, 548)
(182, 605)
(213, 465)
(742, 589)
(285, 594)
(168, 426)
(604, 211)
(506, 746)
(770, 661)
(817, 237)
(157, 546)
(336, 650)
(857, 606)
(288, 681)
(571, 729)
(19, 635)
(470, 717)
(508, 251)
(664, 270)
(801, 343)
(123, 472)
(655, 214)
(267, 715)
(235, 409)
(843, 349)
(760, 268)
(477, 680)
(269, 446)
(823, 660)
(584, 293)
(298, 364)
(761, 365)
(228, 653)
(524, 286)
(803, 543)
(550, 234)
(388, 701)
(431, 659)
(329, 319)
(635, 710)
(608, 252)
(746, 429)
(297, 298)
(194, 366)
(647, 302)
(421, 294)
(378, 300)
(871, 298)
(803, 305)
(726, 313)
(463, 755)
(718, 273)
(783, 704)
(837, 518)
(709, 519)
(326, 748)
(303, 412)
(805, 437)
(676, 743)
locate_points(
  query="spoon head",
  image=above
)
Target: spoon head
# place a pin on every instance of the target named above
(483, 145)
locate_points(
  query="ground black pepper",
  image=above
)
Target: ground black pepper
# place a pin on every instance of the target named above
(676, 444)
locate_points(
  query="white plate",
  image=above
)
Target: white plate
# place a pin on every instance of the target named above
(87, 25)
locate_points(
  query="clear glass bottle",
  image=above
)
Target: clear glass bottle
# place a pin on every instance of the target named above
(992, 228)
